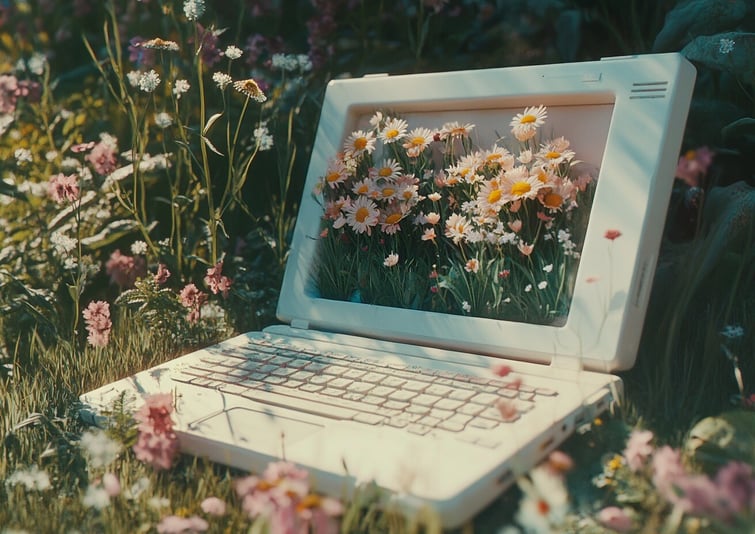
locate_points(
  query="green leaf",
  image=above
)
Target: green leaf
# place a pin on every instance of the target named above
(698, 17)
(210, 122)
(742, 128)
(111, 233)
(717, 52)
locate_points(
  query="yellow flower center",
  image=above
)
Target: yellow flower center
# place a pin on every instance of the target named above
(363, 189)
(332, 177)
(385, 171)
(494, 196)
(407, 194)
(310, 501)
(392, 133)
(495, 156)
(361, 214)
(542, 176)
(360, 143)
(388, 192)
(528, 119)
(418, 141)
(690, 155)
(520, 188)
(393, 218)
(553, 200)
(553, 154)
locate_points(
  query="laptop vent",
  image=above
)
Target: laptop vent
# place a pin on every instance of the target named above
(648, 90)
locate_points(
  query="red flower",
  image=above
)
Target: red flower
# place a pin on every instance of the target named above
(612, 234)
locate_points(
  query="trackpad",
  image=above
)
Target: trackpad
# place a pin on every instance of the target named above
(263, 432)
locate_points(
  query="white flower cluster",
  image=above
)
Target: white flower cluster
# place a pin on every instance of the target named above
(193, 9)
(292, 62)
(233, 52)
(221, 79)
(180, 87)
(264, 138)
(148, 81)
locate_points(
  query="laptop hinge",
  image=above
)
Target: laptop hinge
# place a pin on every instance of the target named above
(566, 362)
(300, 324)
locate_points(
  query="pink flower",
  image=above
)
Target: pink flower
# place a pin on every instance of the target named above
(524, 248)
(98, 323)
(174, 524)
(157, 443)
(559, 462)
(737, 484)
(667, 472)
(213, 506)
(216, 281)
(111, 484)
(615, 518)
(102, 158)
(162, 274)
(125, 270)
(62, 188)
(507, 409)
(82, 147)
(638, 448)
(693, 165)
(501, 370)
(8, 93)
(192, 298)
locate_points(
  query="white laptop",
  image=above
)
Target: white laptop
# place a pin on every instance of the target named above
(358, 392)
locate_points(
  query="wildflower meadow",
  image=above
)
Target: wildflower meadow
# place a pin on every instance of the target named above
(152, 162)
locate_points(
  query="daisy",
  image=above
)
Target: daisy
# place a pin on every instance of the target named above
(336, 173)
(518, 184)
(358, 143)
(408, 193)
(390, 170)
(363, 187)
(394, 130)
(457, 227)
(391, 260)
(455, 130)
(383, 190)
(545, 502)
(432, 218)
(362, 215)
(435, 197)
(390, 219)
(417, 141)
(553, 198)
(490, 198)
(498, 157)
(525, 125)
(555, 152)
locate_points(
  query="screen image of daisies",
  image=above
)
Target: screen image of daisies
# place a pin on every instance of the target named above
(456, 218)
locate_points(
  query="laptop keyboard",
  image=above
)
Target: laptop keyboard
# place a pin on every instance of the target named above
(369, 391)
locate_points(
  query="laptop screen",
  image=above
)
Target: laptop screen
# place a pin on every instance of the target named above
(479, 212)
(438, 248)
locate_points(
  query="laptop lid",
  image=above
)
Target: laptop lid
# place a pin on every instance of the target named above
(624, 118)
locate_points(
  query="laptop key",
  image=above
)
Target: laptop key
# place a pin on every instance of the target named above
(369, 418)
(418, 428)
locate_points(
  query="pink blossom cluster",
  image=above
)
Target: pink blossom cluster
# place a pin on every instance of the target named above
(125, 270)
(191, 297)
(282, 496)
(216, 281)
(11, 89)
(730, 493)
(157, 444)
(63, 188)
(98, 323)
(103, 158)
(693, 165)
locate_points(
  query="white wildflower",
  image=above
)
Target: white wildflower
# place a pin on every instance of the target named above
(542, 285)
(149, 81)
(31, 478)
(180, 87)
(138, 248)
(163, 119)
(6, 119)
(548, 268)
(221, 79)
(133, 78)
(37, 63)
(99, 448)
(23, 155)
(233, 52)
(96, 497)
(391, 260)
(263, 137)
(62, 243)
(725, 46)
(193, 9)
(466, 307)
